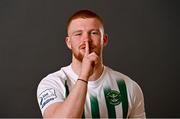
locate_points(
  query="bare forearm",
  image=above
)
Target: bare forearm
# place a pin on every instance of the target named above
(74, 104)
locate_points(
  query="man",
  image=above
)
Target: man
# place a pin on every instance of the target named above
(87, 88)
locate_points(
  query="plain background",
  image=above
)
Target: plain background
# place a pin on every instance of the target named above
(143, 44)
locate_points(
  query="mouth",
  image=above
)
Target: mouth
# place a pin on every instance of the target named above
(84, 47)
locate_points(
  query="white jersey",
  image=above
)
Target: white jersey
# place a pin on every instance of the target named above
(113, 95)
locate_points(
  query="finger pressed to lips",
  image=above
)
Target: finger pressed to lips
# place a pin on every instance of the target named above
(87, 48)
(84, 47)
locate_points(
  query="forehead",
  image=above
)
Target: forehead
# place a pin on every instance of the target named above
(84, 23)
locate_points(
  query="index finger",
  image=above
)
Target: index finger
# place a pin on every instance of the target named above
(87, 48)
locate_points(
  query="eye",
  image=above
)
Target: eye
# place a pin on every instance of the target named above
(77, 34)
(95, 33)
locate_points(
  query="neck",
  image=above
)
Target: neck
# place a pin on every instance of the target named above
(76, 67)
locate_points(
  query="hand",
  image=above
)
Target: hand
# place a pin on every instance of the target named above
(89, 63)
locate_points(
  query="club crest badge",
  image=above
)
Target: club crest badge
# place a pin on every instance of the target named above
(113, 97)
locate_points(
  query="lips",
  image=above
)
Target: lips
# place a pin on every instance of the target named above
(84, 47)
(90, 48)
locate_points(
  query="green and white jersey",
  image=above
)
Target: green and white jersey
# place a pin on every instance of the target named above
(113, 95)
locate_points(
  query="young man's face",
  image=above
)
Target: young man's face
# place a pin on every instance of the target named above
(83, 30)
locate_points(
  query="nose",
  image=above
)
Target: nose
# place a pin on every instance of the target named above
(86, 37)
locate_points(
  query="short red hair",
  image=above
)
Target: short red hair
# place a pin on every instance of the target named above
(84, 14)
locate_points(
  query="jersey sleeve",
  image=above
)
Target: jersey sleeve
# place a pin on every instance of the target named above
(138, 109)
(50, 90)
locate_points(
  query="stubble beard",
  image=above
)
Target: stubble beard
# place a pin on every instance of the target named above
(79, 56)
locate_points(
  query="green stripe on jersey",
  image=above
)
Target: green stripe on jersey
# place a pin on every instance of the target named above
(83, 115)
(67, 93)
(110, 108)
(123, 91)
(67, 89)
(94, 107)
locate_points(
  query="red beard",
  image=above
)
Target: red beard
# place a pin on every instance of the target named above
(79, 55)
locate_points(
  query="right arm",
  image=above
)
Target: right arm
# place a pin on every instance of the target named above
(73, 105)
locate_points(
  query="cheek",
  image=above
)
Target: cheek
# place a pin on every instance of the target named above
(74, 45)
(97, 42)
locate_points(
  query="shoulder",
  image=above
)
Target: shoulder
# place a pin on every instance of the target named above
(55, 77)
(51, 89)
(130, 84)
(53, 80)
(118, 75)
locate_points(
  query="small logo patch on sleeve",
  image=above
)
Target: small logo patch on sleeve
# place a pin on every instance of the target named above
(46, 96)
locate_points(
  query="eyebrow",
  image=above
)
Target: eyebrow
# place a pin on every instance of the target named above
(70, 34)
(77, 31)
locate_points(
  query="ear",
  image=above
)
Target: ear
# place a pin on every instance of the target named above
(105, 40)
(68, 42)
